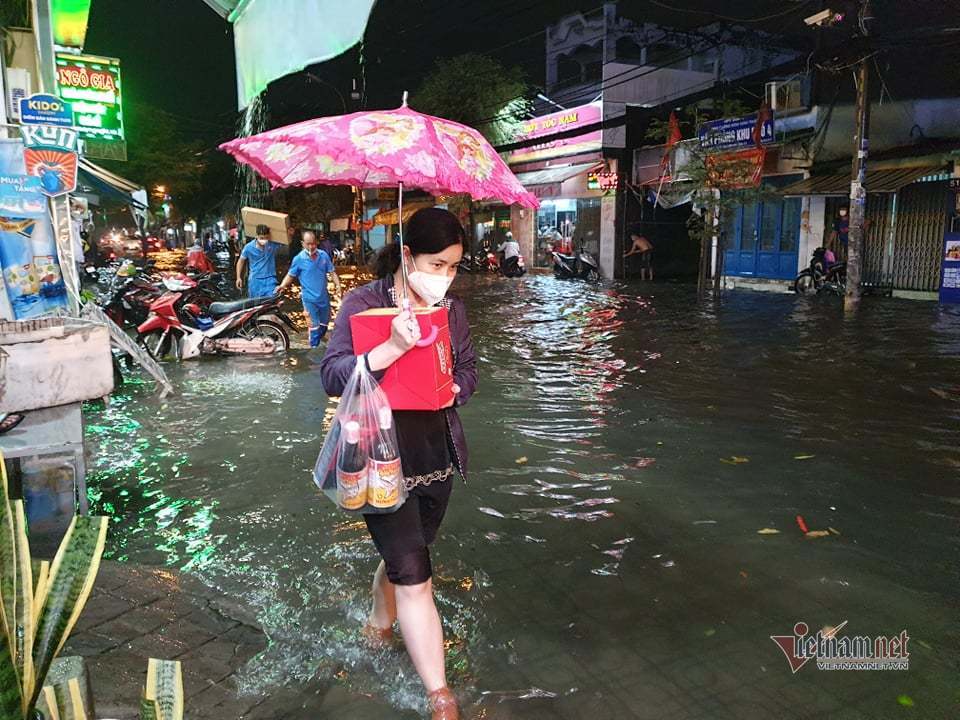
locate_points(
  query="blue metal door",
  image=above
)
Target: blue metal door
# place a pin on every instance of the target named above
(762, 239)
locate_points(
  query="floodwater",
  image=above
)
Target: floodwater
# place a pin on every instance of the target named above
(603, 560)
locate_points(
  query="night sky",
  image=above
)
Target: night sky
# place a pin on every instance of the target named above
(178, 54)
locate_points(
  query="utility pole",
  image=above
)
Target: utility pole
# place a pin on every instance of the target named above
(858, 180)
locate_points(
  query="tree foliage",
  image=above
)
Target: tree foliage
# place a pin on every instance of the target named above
(478, 91)
(159, 154)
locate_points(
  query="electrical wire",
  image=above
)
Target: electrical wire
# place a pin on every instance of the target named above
(760, 19)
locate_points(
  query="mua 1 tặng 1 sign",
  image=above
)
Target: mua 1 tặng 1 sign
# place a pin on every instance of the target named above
(950, 269)
(41, 109)
(21, 197)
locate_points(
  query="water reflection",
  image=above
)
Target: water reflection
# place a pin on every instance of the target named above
(603, 547)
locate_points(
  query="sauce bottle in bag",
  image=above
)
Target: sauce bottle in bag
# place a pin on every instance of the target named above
(351, 469)
(386, 473)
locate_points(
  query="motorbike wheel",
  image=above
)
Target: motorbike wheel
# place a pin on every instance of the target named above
(274, 331)
(157, 346)
(805, 283)
(593, 276)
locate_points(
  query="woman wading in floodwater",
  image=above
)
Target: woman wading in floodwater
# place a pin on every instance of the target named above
(432, 443)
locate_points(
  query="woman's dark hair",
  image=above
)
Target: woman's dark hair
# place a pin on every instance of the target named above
(429, 231)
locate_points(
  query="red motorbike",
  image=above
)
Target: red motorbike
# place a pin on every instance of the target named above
(185, 330)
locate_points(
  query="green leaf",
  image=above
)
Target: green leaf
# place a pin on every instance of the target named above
(165, 687)
(149, 710)
(25, 627)
(71, 579)
(68, 676)
(8, 570)
(47, 704)
(11, 705)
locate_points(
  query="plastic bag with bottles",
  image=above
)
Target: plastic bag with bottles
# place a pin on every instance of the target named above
(359, 466)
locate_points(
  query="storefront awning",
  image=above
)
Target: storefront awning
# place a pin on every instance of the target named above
(389, 217)
(547, 182)
(878, 181)
(110, 184)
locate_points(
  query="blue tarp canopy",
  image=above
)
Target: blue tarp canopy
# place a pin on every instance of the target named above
(109, 184)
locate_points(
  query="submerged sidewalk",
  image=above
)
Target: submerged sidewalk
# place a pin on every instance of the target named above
(136, 612)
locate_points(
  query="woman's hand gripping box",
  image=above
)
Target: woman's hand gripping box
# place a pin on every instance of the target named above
(423, 378)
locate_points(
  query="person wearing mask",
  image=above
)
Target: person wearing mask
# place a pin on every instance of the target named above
(432, 443)
(261, 254)
(323, 242)
(510, 258)
(294, 242)
(312, 267)
(197, 259)
(840, 233)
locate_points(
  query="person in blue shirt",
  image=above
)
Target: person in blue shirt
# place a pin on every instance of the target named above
(312, 267)
(261, 254)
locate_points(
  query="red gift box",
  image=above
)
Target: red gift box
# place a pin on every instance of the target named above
(423, 378)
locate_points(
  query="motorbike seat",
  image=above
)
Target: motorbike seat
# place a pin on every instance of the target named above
(218, 309)
(568, 258)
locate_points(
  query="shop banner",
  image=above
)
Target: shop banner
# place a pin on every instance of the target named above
(736, 170)
(950, 271)
(559, 122)
(732, 133)
(46, 110)
(28, 253)
(51, 155)
(20, 197)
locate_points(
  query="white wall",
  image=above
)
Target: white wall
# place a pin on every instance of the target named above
(812, 221)
(890, 125)
(640, 85)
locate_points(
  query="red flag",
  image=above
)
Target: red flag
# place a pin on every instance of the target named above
(673, 137)
(762, 117)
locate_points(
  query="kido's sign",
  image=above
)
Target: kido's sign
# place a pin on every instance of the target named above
(46, 110)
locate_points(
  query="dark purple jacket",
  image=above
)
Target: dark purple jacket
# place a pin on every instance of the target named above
(339, 361)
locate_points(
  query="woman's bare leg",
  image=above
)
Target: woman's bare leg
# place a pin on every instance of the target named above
(384, 611)
(422, 632)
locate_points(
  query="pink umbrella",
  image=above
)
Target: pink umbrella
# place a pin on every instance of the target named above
(383, 148)
(386, 148)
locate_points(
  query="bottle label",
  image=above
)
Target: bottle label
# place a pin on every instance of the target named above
(352, 489)
(383, 488)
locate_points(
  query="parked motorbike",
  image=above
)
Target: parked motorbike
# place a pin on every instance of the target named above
(513, 267)
(185, 330)
(127, 298)
(579, 266)
(822, 275)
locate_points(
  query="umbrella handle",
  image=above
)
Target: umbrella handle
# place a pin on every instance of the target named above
(429, 339)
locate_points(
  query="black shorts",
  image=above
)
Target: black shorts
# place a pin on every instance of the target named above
(402, 537)
(645, 260)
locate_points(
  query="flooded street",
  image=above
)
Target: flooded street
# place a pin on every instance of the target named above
(603, 560)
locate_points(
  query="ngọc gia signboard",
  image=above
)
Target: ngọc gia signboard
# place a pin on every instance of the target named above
(92, 86)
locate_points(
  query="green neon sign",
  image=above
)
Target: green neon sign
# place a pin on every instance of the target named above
(69, 18)
(92, 85)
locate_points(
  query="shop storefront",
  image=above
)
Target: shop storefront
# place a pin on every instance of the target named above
(561, 173)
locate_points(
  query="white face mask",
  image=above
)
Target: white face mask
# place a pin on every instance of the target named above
(262, 242)
(432, 288)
